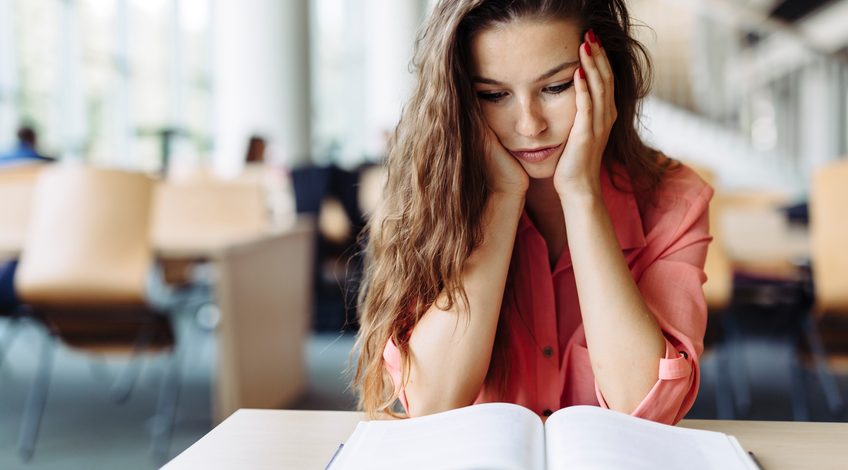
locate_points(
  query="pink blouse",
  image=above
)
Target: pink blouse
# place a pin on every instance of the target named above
(665, 246)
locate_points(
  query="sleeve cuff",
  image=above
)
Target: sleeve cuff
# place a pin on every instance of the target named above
(663, 402)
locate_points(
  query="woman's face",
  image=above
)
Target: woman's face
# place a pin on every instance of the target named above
(522, 74)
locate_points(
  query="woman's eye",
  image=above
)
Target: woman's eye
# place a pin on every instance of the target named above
(491, 96)
(557, 89)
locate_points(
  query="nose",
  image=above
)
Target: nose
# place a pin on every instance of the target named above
(531, 121)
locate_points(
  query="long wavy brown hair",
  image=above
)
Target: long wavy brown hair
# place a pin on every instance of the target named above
(429, 221)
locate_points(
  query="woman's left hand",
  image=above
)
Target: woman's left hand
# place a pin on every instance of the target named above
(578, 170)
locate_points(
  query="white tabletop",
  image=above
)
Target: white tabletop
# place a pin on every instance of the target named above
(276, 439)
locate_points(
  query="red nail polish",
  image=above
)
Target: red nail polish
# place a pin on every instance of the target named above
(581, 73)
(587, 48)
(592, 38)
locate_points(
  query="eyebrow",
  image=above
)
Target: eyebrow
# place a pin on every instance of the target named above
(544, 76)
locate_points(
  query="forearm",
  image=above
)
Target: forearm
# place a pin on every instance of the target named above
(624, 340)
(450, 350)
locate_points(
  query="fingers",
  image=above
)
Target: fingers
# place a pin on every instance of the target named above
(602, 61)
(493, 143)
(495, 150)
(600, 82)
(503, 172)
(583, 122)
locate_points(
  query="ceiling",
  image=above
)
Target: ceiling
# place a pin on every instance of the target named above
(794, 10)
(818, 24)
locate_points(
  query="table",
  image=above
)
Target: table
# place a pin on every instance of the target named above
(263, 290)
(274, 439)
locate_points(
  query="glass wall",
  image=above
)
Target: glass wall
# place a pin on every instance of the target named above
(127, 82)
(109, 81)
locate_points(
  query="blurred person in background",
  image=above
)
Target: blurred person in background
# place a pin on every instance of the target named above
(530, 248)
(26, 149)
(255, 150)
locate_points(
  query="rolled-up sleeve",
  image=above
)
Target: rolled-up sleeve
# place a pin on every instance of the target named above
(672, 288)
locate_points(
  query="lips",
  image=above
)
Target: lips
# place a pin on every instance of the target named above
(535, 155)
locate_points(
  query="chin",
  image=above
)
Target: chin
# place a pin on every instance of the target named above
(542, 170)
(539, 175)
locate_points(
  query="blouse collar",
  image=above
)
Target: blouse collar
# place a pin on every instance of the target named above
(622, 208)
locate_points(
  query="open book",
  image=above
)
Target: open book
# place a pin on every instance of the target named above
(502, 436)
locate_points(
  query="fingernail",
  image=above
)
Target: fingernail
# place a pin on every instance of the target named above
(587, 48)
(592, 38)
(581, 73)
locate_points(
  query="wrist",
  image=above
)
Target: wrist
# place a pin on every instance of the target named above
(582, 199)
(514, 195)
(578, 190)
(509, 201)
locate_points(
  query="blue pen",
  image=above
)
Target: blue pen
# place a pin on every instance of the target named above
(327, 467)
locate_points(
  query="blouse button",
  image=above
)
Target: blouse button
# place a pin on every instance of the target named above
(684, 355)
(547, 413)
(548, 351)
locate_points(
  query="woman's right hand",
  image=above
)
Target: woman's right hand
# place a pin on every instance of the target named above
(505, 175)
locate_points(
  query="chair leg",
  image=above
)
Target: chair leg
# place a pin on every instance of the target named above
(832, 394)
(800, 407)
(724, 399)
(736, 368)
(739, 384)
(6, 343)
(123, 386)
(35, 402)
(169, 395)
(166, 408)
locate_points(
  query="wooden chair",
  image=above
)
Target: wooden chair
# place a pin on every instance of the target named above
(828, 232)
(207, 213)
(84, 273)
(200, 216)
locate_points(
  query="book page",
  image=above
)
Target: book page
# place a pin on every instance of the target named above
(592, 437)
(493, 436)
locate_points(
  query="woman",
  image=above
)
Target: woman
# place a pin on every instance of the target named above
(530, 248)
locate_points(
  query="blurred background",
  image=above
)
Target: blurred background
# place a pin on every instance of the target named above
(182, 183)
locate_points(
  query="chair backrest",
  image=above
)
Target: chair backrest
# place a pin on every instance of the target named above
(828, 233)
(25, 172)
(207, 213)
(88, 239)
(15, 208)
(16, 186)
